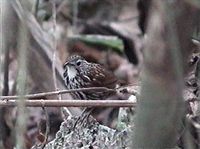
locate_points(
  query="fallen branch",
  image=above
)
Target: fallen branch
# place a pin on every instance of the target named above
(123, 89)
(42, 95)
(70, 103)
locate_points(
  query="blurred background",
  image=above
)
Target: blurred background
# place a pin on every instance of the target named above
(104, 32)
(39, 35)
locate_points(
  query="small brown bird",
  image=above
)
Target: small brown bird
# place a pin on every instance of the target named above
(79, 73)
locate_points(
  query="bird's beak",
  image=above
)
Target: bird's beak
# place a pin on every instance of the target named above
(67, 64)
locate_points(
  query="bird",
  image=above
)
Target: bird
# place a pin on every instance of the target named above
(80, 73)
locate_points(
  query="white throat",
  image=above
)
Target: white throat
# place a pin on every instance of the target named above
(71, 72)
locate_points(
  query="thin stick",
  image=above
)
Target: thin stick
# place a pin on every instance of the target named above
(22, 46)
(6, 73)
(36, 8)
(71, 103)
(41, 95)
(54, 73)
(47, 127)
(54, 46)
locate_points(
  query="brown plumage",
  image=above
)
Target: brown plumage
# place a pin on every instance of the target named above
(79, 73)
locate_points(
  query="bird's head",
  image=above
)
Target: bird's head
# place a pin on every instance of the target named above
(73, 66)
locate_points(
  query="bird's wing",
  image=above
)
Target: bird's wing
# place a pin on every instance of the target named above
(100, 77)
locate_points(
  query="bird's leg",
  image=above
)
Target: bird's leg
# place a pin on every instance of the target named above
(79, 118)
(84, 115)
(87, 115)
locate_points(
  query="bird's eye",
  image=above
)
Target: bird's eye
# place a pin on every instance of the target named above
(78, 63)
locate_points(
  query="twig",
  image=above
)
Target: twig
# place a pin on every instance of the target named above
(47, 127)
(70, 103)
(41, 95)
(54, 46)
(61, 5)
(130, 89)
(36, 8)
(53, 73)
(6, 73)
(22, 46)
